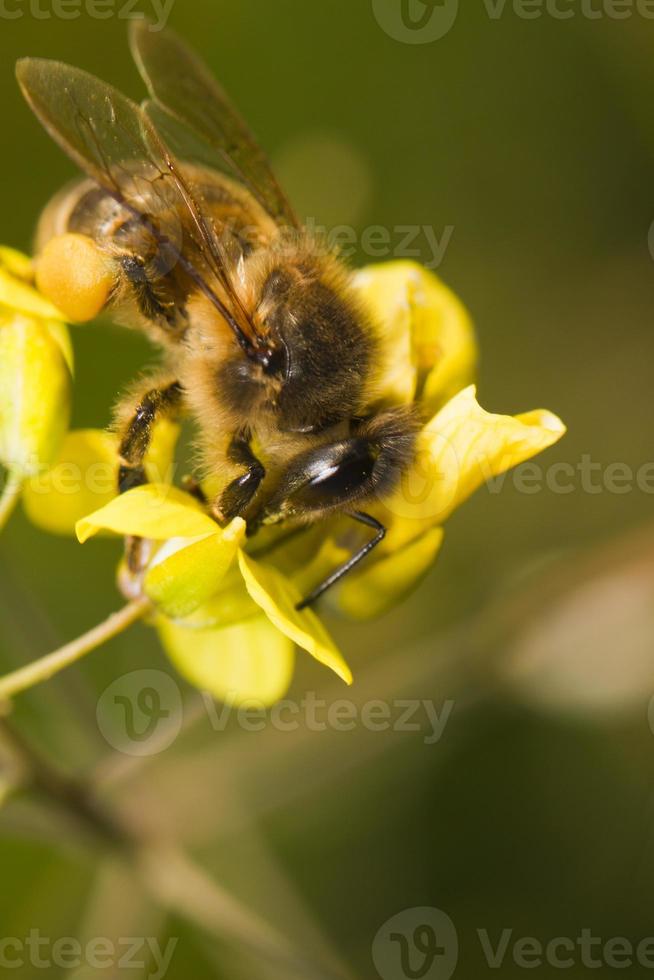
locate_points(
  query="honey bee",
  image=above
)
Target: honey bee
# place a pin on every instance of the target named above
(181, 229)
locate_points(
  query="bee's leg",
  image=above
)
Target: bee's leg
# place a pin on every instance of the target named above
(237, 495)
(193, 486)
(153, 297)
(137, 433)
(341, 476)
(135, 442)
(352, 562)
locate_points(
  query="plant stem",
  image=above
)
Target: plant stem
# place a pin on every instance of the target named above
(73, 796)
(52, 663)
(9, 497)
(171, 878)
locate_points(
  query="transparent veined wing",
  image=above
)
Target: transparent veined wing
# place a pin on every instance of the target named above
(185, 92)
(112, 139)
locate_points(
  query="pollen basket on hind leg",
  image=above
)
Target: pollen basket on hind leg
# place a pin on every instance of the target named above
(75, 275)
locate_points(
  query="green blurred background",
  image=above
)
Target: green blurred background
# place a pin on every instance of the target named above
(534, 139)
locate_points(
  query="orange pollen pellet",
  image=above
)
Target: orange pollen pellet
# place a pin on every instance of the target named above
(72, 273)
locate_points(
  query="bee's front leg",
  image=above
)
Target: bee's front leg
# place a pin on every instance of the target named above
(238, 495)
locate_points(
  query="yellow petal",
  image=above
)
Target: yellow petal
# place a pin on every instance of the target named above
(445, 343)
(15, 294)
(154, 510)
(230, 605)
(375, 588)
(61, 336)
(384, 292)
(293, 548)
(278, 597)
(17, 263)
(181, 580)
(462, 447)
(251, 661)
(427, 338)
(81, 479)
(330, 552)
(35, 394)
(161, 454)
(84, 476)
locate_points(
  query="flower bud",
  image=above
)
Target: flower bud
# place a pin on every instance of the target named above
(35, 391)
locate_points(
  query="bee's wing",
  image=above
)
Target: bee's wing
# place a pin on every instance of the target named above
(111, 138)
(183, 87)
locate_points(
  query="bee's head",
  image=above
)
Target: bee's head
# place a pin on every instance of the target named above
(317, 347)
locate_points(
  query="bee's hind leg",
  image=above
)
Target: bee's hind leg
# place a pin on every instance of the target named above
(135, 428)
(136, 436)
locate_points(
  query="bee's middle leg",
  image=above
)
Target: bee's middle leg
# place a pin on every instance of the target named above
(238, 495)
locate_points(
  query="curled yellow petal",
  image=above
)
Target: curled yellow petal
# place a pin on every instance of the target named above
(375, 588)
(250, 661)
(384, 293)
(426, 336)
(445, 342)
(277, 596)
(35, 394)
(155, 511)
(16, 263)
(462, 447)
(18, 295)
(181, 579)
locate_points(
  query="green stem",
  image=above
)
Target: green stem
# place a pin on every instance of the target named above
(9, 497)
(41, 670)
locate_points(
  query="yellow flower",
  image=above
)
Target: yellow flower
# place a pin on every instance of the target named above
(254, 621)
(36, 366)
(226, 606)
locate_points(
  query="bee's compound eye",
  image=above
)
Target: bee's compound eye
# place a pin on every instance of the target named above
(72, 273)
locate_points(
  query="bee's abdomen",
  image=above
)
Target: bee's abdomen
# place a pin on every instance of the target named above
(82, 208)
